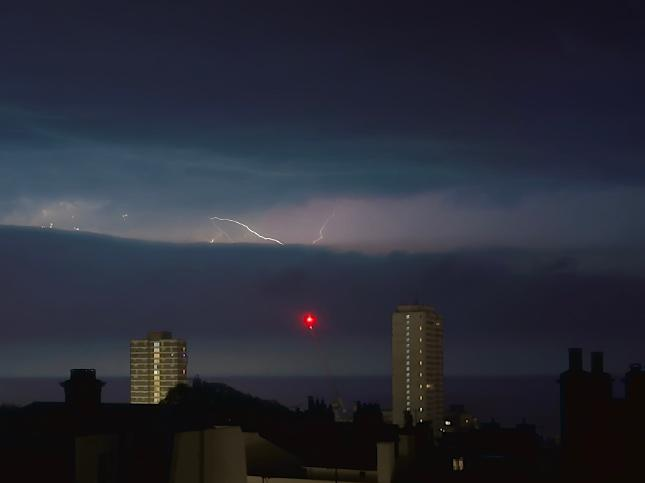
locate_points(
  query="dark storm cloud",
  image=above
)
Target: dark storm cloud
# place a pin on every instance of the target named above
(177, 112)
(445, 129)
(506, 311)
(473, 93)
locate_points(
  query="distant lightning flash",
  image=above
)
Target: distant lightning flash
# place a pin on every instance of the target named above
(322, 228)
(249, 229)
(222, 232)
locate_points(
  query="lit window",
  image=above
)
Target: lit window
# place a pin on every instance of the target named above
(420, 363)
(408, 386)
(420, 410)
(156, 344)
(437, 324)
(420, 398)
(420, 386)
(407, 316)
(420, 339)
(458, 464)
(421, 374)
(420, 327)
(447, 422)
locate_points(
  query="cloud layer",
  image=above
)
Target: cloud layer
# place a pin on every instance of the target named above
(453, 126)
(73, 300)
(435, 222)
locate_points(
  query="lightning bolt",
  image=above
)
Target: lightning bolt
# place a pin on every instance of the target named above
(322, 228)
(248, 228)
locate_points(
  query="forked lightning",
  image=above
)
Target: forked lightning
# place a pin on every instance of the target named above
(248, 228)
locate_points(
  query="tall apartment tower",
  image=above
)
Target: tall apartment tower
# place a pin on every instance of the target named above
(157, 364)
(417, 365)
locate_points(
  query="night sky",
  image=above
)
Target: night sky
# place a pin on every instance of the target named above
(483, 157)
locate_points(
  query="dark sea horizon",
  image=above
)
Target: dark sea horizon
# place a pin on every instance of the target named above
(507, 399)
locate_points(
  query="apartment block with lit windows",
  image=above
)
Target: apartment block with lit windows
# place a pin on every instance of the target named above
(157, 363)
(417, 365)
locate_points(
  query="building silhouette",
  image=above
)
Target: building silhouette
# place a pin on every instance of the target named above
(635, 385)
(417, 366)
(204, 433)
(157, 363)
(83, 389)
(602, 436)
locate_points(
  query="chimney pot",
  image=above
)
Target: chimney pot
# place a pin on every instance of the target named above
(575, 359)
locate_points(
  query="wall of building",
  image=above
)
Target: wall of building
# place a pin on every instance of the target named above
(94, 453)
(157, 364)
(265, 458)
(210, 456)
(260, 479)
(417, 365)
(385, 461)
(333, 474)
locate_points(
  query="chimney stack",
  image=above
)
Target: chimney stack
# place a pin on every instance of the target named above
(575, 359)
(83, 389)
(597, 363)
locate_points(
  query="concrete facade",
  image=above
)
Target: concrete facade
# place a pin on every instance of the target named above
(96, 452)
(417, 365)
(385, 461)
(223, 454)
(157, 364)
(210, 456)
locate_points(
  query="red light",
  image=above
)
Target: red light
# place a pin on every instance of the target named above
(310, 321)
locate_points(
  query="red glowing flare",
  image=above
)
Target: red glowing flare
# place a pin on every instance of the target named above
(310, 321)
